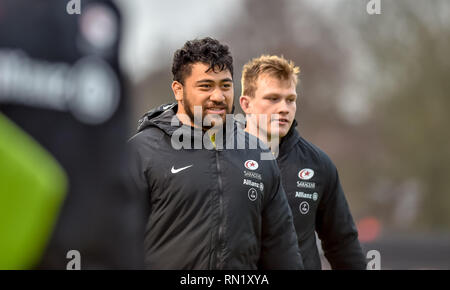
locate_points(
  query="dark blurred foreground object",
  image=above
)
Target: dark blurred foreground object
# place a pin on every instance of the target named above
(60, 82)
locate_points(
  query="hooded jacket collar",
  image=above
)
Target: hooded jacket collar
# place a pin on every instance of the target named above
(162, 116)
(290, 140)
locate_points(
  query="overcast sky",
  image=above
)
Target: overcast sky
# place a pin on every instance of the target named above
(151, 24)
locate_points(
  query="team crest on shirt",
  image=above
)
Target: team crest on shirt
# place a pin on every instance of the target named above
(306, 174)
(251, 164)
(253, 179)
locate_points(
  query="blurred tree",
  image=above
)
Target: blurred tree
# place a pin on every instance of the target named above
(409, 42)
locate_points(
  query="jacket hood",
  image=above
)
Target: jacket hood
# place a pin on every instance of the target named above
(290, 140)
(160, 117)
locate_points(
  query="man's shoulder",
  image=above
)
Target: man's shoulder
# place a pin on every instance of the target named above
(315, 152)
(148, 135)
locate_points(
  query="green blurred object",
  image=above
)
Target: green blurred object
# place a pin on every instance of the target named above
(32, 188)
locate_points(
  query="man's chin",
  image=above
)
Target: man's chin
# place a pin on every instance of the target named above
(283, 133)
(279, 134)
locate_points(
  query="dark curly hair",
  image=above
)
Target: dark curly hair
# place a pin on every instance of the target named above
(206, 50)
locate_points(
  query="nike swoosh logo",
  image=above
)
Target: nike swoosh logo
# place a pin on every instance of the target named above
(173, 170)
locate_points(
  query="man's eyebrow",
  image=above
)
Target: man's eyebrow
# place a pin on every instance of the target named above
(271, 95)
(278, 95)
(205, 81)
(211, 81)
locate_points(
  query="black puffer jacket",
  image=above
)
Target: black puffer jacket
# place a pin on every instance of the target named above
(207, 210)
(318, 203)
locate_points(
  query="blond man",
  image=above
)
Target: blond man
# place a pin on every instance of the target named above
(309, 177)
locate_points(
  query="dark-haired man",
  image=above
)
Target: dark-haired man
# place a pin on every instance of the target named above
(214, 207)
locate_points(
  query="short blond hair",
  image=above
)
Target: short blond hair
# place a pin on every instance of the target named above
(275, 66)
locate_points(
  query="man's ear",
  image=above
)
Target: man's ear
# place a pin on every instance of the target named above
(177, 89)
(244, 101)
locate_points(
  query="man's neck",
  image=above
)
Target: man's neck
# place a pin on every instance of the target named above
(266, 138)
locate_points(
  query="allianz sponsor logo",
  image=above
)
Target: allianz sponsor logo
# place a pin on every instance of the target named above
(254, 175)
(249, 182)
(306, 184)
(89, 89)
(314, 196)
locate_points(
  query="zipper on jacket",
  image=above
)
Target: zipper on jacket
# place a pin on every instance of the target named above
(220, 231)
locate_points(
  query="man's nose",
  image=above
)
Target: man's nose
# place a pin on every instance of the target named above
(283, 108)
(217, 96)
